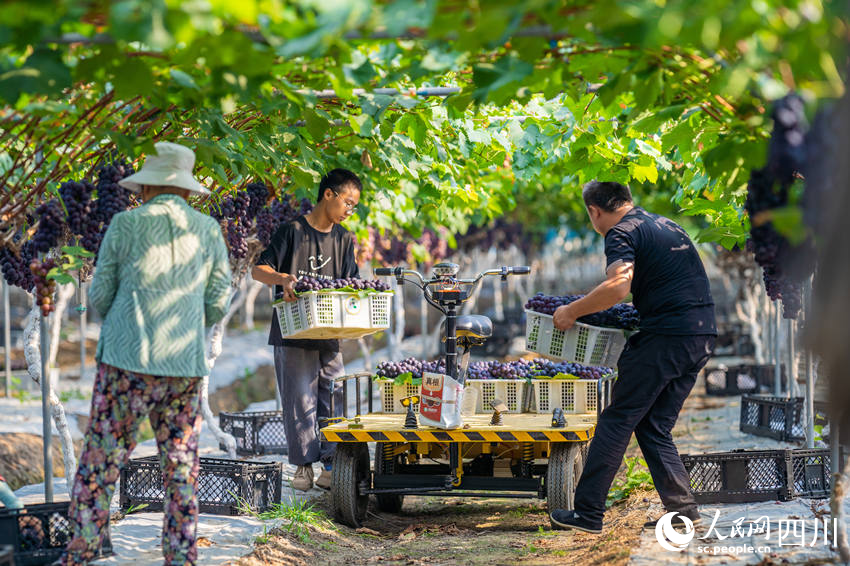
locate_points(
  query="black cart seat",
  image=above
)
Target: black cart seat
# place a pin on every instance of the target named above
(472, 326)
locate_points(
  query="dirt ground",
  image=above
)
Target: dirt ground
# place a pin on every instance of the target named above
(18, 451)
(461, 531)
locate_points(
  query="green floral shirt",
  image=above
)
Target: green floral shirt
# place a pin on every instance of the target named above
(162, 276)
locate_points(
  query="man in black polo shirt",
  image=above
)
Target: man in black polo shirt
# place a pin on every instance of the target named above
(652, 257)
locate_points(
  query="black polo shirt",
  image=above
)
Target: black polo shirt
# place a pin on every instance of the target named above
(670, 289)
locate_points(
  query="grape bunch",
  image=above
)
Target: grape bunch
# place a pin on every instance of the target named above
(312, 284)
(621, 315)
(257, 194)
(549, 368)
(15, 266)
(245, 215)
(237, 239)
(519, 369)
(51, 222)
(112, 198)
(391, 370)
(768, 189)
(76, 196)
(44, 287)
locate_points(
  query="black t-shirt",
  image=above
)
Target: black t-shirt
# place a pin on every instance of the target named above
(300, 250)
(670, 289)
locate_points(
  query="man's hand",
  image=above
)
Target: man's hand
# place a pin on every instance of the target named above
(288, 283)
(564, 319)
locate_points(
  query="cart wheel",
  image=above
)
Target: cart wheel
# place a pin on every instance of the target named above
(350, 468)
(561, 476)
(387, 503)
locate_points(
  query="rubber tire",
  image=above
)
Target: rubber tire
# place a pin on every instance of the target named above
(581, 459)
(386, 503)
(561, 476)
(350, 467)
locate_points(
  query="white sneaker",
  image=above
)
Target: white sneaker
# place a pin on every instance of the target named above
(303, 478)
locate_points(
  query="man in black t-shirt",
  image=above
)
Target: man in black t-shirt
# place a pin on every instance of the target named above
(313, 245)
(653, 258)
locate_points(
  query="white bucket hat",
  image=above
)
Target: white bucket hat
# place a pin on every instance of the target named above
(170, 166)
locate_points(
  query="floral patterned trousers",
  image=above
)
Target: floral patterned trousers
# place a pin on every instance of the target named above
(120, 401)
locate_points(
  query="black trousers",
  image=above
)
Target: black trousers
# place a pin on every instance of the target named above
(656, 374)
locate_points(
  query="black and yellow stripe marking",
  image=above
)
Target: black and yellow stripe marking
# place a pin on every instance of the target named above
(425, 435)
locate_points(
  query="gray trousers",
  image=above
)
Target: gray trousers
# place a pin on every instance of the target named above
(305, 379)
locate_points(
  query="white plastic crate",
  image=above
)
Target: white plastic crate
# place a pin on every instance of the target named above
(511, 391)
(334, 315)
(571, 395)
(583, 344)
(391, 396)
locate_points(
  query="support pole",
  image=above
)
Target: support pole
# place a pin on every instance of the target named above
(7, 339)
(777, 351)
(45, 411)
(83, 320)
(423, 325)
(810, 368)
(810, 401)
(792, 370)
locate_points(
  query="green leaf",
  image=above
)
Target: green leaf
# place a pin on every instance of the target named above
(77, 251)
(183, 79)
(362, 124)
(316, 125)
(647, 91)
(60, 277)
(133, 78)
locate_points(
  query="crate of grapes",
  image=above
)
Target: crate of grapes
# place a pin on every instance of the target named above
(397, 380)
(744, 476)
(37, 534)
(741, 379)
(256, 432)
(598, 339)
(510, 391)
(225, 487)
(583, 343)
(348, 308)
(392, 393)
(777, 417)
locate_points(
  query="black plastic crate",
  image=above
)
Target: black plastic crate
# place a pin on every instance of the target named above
(224, 486)
(741, 379)
(39, 533)
(256, 433)
(811, 472)
(779, 418)
(739, 476)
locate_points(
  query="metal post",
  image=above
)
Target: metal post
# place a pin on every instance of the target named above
(768, 330)
(45, 411)
(810, 377)
(834, 449)
(423, 326)
(83, 319)
(777, 350)
(7, 339)
(792, 370)
(810, 401)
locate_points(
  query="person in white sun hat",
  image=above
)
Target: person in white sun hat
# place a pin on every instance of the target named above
(162, 276)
